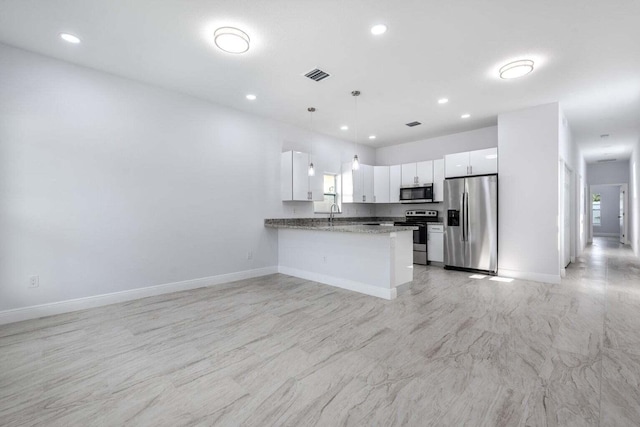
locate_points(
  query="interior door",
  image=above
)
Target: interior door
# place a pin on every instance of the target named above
(567, 217)
(482, 219)
(454, 244)
(622, 215)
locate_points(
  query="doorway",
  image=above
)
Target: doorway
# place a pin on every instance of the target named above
(609, 211)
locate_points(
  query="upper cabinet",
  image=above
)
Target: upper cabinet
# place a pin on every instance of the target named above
(357, 185)
(381, 184)
(438, 180)
(295, 182)
(479, 162)
(417, 173)
(395, 182)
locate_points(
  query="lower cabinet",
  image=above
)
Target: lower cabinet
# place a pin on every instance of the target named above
(435, 243)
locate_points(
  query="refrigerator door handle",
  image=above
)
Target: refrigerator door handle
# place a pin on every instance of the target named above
(464, 215)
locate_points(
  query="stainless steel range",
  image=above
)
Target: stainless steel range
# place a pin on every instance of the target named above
(420, 219)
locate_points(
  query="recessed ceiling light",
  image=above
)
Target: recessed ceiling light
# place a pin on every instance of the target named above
(378, 29)
(70, 38)
(443, 101)
(516, 69)
(372, 137)
(231, 40)
(465, 116)
(344, 127)
(251, 97)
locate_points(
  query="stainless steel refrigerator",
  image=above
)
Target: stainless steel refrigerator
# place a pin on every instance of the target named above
(471, 223)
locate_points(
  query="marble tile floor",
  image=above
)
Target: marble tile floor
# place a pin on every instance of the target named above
(278, 350)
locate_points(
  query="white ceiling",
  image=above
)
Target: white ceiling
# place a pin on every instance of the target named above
(586, 52)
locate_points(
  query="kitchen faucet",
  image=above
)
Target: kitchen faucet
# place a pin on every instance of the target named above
(331, 212)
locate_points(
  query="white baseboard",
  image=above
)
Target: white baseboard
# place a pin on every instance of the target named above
(534, 277)
(36, 311)
(350, 285)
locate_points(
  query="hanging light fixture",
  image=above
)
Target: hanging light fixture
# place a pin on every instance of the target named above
(312, 170)
(355, 165)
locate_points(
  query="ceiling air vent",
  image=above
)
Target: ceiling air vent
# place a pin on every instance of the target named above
(607, 160)
(412, 124)
(317, 74)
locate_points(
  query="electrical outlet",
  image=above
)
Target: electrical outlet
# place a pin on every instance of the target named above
(34, 281)
(250, 255)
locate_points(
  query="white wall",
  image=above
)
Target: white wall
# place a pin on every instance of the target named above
(436, 148)
(431, 149)
(609, 210)
(528, 143)
(107, 184)
(609, 172)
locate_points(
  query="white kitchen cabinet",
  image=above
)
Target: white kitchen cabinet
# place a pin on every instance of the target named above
(408, 174)
(357, 185)
(456, 164)
(424, 172)
(438, 180)
(395, 180)
(483, 162)
(295, 182)
(417, 173)
(435, 243)
(367, 183)
(478, 162)
(381, 184)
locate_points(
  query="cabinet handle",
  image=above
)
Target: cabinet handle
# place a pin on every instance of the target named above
(374, 199)
(364, 198)
(471, 169)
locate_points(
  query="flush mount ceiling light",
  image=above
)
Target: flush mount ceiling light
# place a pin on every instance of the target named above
(70, 38)
(516, 69)
(372, 137)
(465, 116)
(251, 97)
(345, 127)
(443, 101)
(231, 40)
(378, 29)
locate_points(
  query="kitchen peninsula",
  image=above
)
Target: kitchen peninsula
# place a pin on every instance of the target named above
(370, 259)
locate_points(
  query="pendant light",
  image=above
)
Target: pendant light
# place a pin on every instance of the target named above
(355, 165)
(312, 170)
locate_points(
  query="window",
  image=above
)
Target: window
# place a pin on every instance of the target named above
(331, 182)
(596, 209)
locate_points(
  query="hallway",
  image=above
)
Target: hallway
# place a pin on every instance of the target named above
(605, 296)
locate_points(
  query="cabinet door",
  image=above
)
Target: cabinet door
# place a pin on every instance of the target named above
(395, 179)
(409, 174)
(435, 247)
(300, 176)
(424, 172)
(483, 162)
(456, 164)
(438, 180)
(358, 184)
(381, 184)
(316, 184)
(367, 183)
(346, 191)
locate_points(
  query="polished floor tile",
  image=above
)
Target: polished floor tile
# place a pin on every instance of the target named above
(278, 350)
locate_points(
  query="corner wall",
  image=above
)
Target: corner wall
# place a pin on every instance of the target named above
(528, 146)
(634, 199)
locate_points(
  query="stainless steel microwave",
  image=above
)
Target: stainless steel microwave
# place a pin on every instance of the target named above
(421, 194)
